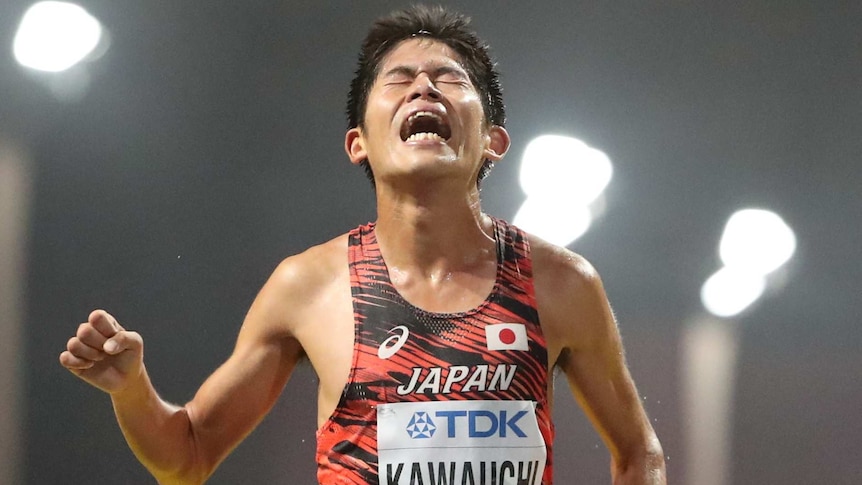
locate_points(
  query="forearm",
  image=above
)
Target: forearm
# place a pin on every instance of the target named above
(159, 433)
(645, 467)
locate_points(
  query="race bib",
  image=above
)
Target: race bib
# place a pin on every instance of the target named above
(461, 442)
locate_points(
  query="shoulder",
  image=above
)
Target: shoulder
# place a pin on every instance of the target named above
(570, 296)
(302, 283)
(313, 268)
(558, 267)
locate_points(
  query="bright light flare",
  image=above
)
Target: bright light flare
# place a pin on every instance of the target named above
(756, 240)
(755, 243)
(561, 176)
(546, 220)
(564, 166)
(730, 291)
(54, 36)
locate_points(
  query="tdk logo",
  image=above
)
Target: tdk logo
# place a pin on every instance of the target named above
(421, 426)
(474, 424)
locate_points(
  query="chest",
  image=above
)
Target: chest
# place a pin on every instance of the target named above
(402, 353)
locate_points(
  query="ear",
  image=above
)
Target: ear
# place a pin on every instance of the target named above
(498, 143)
(354, 145)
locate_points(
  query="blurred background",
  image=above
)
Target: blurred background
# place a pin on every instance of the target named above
(166, 175)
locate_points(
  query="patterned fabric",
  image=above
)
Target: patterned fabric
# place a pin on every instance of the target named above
(405, 354)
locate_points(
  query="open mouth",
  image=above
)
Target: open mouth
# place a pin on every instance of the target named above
(425, 125)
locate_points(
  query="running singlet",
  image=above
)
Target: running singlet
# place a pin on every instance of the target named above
(432, 398)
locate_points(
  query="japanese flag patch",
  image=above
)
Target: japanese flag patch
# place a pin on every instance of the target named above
(507, 336)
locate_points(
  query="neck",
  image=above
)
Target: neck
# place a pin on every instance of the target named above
(431, 233)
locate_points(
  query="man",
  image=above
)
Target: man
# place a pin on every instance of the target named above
(434, 331)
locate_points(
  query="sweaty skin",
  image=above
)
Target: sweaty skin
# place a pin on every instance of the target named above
(440, 251)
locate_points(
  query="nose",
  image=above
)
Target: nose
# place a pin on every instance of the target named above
(423, 88)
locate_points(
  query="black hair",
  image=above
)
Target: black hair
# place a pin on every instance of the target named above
(435, 23)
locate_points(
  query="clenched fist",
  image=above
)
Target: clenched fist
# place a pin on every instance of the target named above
(104, 354)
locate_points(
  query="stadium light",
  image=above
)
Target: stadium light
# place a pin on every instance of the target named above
(562, 176)
(754, 244)
(730, 291)
(54, 36)
(756, 240)
(544, 218)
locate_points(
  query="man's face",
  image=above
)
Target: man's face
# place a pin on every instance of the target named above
(424, 117)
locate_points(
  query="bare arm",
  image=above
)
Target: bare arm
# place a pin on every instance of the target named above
(584, 338)
(184, 444)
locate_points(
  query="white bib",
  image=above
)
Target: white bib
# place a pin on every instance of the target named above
(460, 442)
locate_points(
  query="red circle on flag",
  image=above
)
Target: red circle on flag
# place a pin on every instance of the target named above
(507, 336)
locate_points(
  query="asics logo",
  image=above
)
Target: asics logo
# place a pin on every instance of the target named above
(394, 343)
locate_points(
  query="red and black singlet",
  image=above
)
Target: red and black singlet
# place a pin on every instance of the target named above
(403, 354)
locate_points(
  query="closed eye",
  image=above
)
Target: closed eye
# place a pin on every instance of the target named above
(448, 75)
(400, 75)
(450, 81)
(397, 79)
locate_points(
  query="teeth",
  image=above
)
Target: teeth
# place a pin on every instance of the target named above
(424, 113)
(425, 136)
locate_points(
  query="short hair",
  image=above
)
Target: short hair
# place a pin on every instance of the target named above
(435, 23)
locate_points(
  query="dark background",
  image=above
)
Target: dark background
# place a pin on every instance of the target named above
(208, 146)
